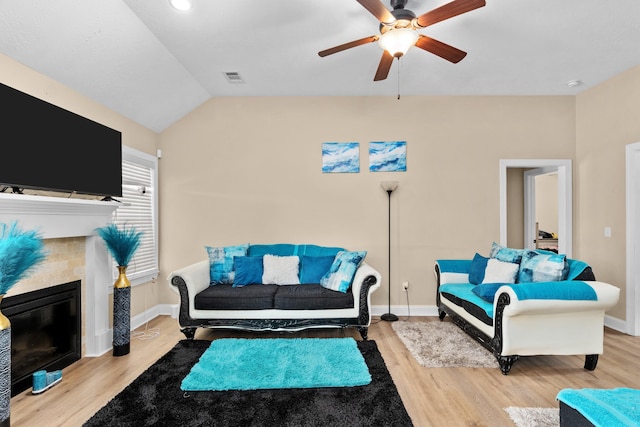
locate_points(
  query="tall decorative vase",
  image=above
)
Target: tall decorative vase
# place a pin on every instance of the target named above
(121, 313)
(5, 369)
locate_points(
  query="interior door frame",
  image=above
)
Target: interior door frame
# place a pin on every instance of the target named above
(633, 238)
(530, 203)
(565, 197)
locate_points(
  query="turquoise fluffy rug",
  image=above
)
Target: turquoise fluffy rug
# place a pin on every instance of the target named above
(271, 363)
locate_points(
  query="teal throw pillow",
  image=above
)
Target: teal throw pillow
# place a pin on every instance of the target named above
(221, 262)
(313, 268)
(342, 271)
(248, 270)
(477, 268)
(487, 291)
(537, 267)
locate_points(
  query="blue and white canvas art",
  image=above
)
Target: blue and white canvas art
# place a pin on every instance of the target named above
(388, 156)
(341, 157)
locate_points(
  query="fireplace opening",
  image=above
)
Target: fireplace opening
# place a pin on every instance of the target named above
(45, 331)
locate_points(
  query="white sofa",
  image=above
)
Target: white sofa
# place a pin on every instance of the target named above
(511, 327)
(305, 302)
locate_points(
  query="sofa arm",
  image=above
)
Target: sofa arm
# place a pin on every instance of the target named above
(196, 278)
(607, 297)
(452, 271)
(365, 274)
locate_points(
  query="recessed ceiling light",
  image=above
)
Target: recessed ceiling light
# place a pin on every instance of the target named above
(574, 83)
(181, 4)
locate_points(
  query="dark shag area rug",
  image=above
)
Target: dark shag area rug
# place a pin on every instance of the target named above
(155, 399)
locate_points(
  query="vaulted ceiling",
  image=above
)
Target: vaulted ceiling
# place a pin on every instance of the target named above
(154, 64)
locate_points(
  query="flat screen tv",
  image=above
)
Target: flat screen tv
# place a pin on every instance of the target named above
(49, 148)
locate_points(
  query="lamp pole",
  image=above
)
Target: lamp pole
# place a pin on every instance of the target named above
(389, 186)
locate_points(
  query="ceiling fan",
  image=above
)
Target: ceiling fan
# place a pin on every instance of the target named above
(398, 31)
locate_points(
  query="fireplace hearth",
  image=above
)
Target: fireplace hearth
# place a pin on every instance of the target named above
(45, 331)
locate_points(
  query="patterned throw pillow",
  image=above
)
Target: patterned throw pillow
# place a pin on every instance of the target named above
(280, 270)
(342, 271)
(221, 262)
(505, 254)
(537, 267)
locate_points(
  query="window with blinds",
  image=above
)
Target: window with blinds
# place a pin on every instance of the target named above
(139, 207)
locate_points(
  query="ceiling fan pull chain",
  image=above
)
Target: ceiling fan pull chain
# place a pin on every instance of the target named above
(399, 61)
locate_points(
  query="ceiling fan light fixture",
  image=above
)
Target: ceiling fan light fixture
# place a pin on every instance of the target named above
(397, 41)
(182, 5)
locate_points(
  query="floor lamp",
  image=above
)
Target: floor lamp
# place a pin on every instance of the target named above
(389, 187)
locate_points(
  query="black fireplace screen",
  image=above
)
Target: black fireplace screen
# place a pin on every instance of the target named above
(45, 331)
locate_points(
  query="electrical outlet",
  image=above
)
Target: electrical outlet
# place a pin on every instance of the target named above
(405, 286)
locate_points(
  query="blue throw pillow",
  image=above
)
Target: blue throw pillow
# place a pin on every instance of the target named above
(314, 267)
(477, 268)
(248, 270)
(342, 271)
(487, 291)
(221, 262)
(537, 267)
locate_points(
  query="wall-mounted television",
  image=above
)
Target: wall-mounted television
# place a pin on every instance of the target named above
(46, 147)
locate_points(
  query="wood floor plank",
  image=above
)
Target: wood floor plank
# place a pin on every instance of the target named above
(432, 396)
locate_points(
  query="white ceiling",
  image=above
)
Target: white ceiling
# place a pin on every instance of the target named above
(154, 64)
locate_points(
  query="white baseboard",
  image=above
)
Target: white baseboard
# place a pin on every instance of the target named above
(403, 310)
(152, 313)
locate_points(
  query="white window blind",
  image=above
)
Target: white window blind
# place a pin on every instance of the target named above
(139, 206)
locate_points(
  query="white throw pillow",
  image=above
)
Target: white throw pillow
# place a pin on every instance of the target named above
(500, 272)
(280, 270)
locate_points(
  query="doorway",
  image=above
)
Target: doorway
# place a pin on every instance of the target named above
(633, 238)
(565, 197)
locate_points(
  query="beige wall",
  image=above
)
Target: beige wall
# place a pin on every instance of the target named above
(249, 170)
(606, 121)
(29, 81)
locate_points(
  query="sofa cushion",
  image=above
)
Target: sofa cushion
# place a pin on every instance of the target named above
(311, 297)
(248, 270)
(285, 249)
(500, 272)
(221, 262)
(280, 270)
(226, 297)
(537, 267)
(477, 268)
(312, 268)
(343, 270)
(280, 249)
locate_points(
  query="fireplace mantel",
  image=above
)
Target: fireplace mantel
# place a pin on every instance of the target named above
(56, 217)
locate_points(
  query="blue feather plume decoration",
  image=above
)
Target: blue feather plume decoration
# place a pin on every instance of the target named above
(20, 251)
(122, 243)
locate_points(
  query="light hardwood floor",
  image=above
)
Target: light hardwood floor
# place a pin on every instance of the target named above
(433, 397)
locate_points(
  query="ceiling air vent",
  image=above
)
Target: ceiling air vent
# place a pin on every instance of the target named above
(233, 77)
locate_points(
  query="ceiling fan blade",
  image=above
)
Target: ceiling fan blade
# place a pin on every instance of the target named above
(384, 66)
(377, 9)
(449, 10)
(349, 45)
(443, 50)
